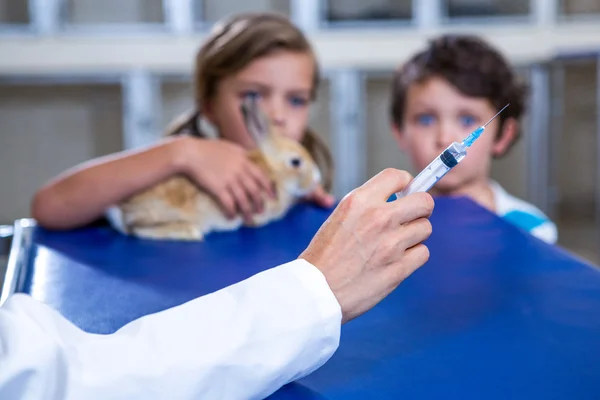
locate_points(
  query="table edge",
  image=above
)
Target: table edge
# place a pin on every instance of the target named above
(17, 257)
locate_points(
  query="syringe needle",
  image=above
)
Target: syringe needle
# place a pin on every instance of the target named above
(494, 117)
(468, 141)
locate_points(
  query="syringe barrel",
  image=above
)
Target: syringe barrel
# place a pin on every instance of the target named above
(435, 170)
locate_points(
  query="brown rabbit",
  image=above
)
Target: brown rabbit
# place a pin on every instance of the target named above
(178, 209)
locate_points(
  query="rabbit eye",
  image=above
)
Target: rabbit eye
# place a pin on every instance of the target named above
(296, 162)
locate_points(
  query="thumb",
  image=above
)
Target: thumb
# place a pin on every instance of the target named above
(387, 182)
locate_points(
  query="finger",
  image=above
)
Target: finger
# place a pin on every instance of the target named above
(387, 182)
(254, 193)
(261, 179)
(414, 232)
(227, 203)
(414, 258)
(241, 200)
(321, 197)
(412, 207)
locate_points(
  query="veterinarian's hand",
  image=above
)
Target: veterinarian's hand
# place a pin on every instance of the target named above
(223, 169)
(368, 246)
(321, 197)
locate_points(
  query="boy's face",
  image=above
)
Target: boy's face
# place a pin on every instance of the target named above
(436, 115)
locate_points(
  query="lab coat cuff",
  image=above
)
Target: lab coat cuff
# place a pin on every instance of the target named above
(313, 280)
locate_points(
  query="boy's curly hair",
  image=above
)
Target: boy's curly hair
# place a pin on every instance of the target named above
(468, 63)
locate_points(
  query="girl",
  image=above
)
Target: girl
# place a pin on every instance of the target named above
(263, 56)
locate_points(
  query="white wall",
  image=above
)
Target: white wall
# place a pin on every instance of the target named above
(382, 150)
(177, 99)
(14, 11)
(47, 129)
(494, 7)
(217, 9)
(580, 6)
(94, 11)
(578, 155)
(358, 8)
(114, 11)
(320, 120)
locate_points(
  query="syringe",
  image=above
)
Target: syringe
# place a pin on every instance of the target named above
(444, 162)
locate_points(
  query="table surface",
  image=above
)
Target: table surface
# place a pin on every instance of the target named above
(494, 314)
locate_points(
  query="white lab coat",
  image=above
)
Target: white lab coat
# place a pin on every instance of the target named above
(242, 342)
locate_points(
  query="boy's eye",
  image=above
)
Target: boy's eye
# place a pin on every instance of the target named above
(425, 119)
(468, 120)
(297, 101)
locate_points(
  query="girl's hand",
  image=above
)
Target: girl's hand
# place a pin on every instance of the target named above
(321, 197)
(223, 169)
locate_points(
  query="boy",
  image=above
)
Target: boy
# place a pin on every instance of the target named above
(442, 94)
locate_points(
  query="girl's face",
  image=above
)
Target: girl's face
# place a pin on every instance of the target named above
(281, 82)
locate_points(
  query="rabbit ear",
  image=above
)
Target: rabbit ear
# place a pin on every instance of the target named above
(256, 121)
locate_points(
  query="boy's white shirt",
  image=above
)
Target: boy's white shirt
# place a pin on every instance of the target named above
(242, 342)
(523, 214)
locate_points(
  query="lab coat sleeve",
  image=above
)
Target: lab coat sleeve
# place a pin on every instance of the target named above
(242, 342)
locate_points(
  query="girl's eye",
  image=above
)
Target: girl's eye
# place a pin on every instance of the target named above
(425, 119)
(297, 101)
(468, 120)
(252, 95)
